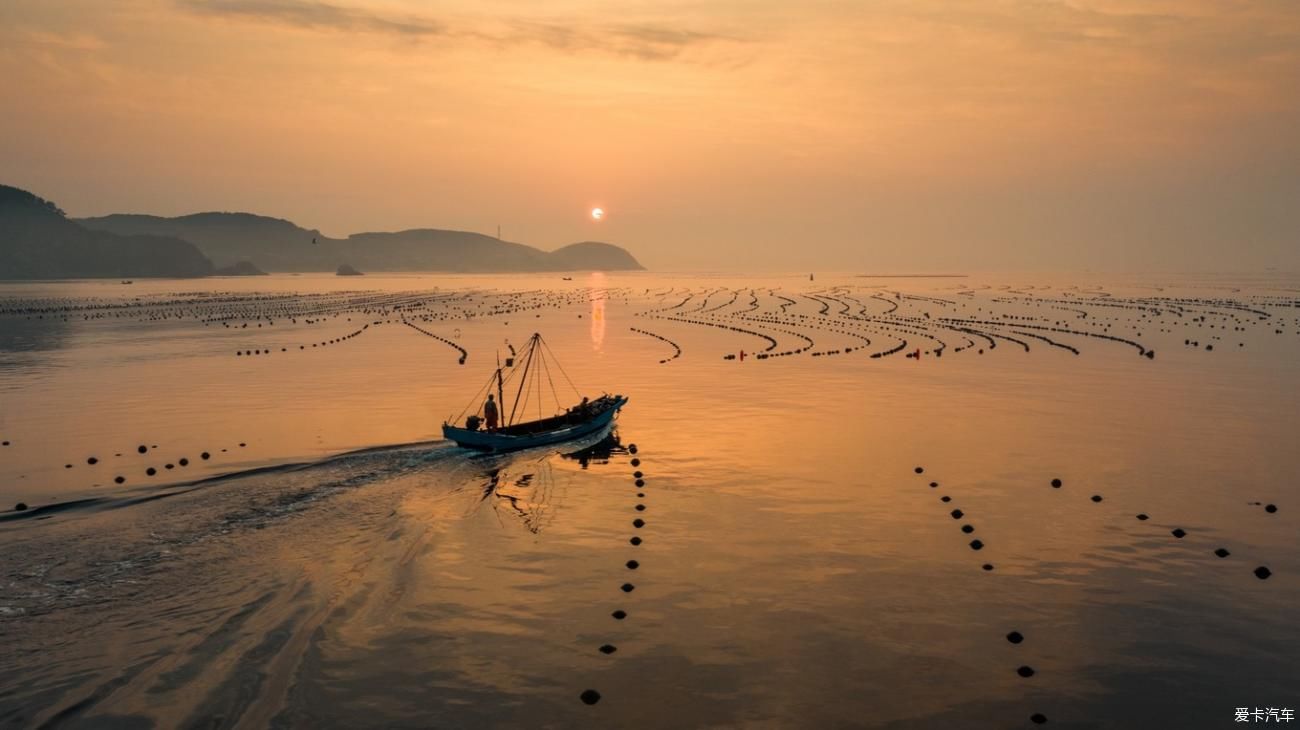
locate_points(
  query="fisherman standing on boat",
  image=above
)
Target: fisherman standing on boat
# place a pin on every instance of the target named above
(490, 412)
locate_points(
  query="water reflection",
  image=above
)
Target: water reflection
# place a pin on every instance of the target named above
(598, 293)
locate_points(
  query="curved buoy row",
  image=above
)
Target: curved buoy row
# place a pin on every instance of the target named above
(1015, 637)
(677, 350)
(463, 353)
(620, 613)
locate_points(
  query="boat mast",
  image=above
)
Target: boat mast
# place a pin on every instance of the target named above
(523, 378)
(501, 398)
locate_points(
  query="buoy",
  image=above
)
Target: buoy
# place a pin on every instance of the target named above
(620, 614)
(142, 449)
(988, 566)
(627, 587)
(590, 696)
(640, 482)
(92, 460)
(1143, 517)
(637, 474)
(934, 484)
(608, 649)
(636, 462)
(635, 541)
(945, 498)
(1015, 637)
(919, 470)
(1096, 497)
(1025, 671)
(1271, 508)
(1056, 483)
(967, 529)
(638, 523)
(633, 565)
(205, 456)
(1178, 532)
(1262, 573)
(20, 507)
(1038, 718)
(151, 471)
(956, 514)
(1222, 552)
(119, 480)
(976, 545)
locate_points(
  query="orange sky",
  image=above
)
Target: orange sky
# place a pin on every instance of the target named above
(875, 135)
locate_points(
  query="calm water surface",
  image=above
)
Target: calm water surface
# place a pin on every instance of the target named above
(333, 563)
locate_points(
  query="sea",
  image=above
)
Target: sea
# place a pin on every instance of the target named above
(841, 500)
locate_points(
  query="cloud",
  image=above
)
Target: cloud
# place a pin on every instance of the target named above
(640, 40)
(644, 41)
(318, 15)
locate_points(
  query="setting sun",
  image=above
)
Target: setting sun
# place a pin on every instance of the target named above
(597, 214)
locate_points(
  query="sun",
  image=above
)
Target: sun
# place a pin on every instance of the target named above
(597, 214)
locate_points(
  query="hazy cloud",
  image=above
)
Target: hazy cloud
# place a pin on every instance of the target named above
(313, 14)
(644, 41)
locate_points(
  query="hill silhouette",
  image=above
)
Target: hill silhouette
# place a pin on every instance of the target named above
(280, 245)
(37, 241)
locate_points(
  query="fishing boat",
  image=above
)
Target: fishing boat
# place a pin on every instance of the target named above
(515, 432)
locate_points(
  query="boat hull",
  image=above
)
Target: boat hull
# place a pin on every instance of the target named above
(497, 442)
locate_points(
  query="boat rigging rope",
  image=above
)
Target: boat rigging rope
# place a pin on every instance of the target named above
(561, 367)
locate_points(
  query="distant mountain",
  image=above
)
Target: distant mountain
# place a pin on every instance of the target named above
(279, 245)
(37, 241)
(243, 268)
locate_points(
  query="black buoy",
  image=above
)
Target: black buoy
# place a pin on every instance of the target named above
(184, 462)
(205, 456)
(640, 508)
(635, 541)
(934, 484)
(637, 474)
(1096, 497)
(242, 445)
(976, 545)
(633, 565)
(1015, 637)
(1056, 483)
(142, 449)
(92, 460)
(1178, 532)
(1038, 718)
(608, 649)
(67, 466)
(638, 523)
(631, 448)
(21, 506)
(620, 614)
(945, 498)
(636, 462)
(1263, 572)
(151, 471)
(988, 566)
(1143, 516)
(1270, 508)
(1025, 671)
(968, 529)
(1222, 552)
(919, 470)
(589, 696)
(640, 482)
(956, 514)
(119, 480)
(627, 587)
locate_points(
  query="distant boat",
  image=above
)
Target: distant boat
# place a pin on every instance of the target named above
(568, 278)
(127, 281)
(587, 417)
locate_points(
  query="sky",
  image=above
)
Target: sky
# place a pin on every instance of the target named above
(874, 136)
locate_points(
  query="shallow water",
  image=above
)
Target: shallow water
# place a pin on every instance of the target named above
(333, 564)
